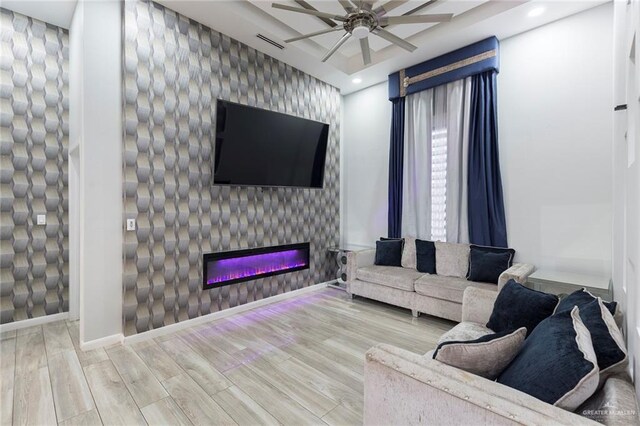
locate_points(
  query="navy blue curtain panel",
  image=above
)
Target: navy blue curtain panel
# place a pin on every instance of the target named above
(396, 153)
(487, 225)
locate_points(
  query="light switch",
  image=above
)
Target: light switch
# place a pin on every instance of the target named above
(41, 219)
(131, 224)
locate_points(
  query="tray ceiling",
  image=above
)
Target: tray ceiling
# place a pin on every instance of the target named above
(473, 20)
(303, 24)
(243, 20)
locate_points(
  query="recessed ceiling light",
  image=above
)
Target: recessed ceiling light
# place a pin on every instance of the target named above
(357, 80)
(536, 11)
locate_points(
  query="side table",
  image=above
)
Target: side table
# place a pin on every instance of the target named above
(567, 282)
(340, 251)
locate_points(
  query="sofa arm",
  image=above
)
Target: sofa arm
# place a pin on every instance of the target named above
(615, 404)
(403, 388)
(477, 304)
(518, 272)
(358, 259)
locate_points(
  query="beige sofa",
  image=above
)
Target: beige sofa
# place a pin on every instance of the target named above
(438, 295)
(404, 388)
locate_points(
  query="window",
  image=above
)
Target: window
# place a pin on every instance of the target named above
(433, 161)
(439, 184)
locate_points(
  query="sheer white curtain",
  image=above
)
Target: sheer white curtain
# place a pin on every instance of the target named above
(434, 204)
(416, 179)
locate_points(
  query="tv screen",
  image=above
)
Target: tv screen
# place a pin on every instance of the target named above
(256, 147)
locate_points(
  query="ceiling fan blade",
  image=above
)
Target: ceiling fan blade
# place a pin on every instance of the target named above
(415, 19)
(347, 5)
(367, 4)
(336, 47)
(308, 12)
(303, 4)
(388, 7)
(366, 52)
(317, 33)
(394, 39)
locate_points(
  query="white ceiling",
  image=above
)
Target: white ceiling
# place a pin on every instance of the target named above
(474, 20)
(56, 12)
(243, 19)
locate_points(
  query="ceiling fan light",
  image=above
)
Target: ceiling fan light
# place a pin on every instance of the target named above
(360, 32)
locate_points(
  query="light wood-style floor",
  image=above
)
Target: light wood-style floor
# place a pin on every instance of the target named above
(299, 361)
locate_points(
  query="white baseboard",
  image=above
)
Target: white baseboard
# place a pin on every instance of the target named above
(172, 328)
(102, 342)
(17, 325)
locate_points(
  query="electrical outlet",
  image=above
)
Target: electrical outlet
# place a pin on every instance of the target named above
(41, 219)
(131, 224)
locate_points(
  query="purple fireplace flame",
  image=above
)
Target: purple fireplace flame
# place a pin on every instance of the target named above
(243, 265)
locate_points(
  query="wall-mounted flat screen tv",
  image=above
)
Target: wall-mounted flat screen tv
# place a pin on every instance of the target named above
(256, 147)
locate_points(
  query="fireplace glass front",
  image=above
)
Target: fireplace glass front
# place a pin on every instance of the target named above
(224, 268)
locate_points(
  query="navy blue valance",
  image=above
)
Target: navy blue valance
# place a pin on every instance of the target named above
(467, 61)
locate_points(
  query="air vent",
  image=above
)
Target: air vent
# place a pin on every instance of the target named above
(271, 42)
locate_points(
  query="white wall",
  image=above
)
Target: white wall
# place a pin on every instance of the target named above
(100, 169)
(554, 103)
(75, 134)
(555, 97)
(365, 165)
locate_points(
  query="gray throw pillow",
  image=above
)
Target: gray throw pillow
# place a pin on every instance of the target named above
(452, 259)
(486, 356)
(409, 253)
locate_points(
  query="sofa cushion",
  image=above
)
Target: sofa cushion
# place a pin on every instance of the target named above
(390, 276)
(518, 306)
(487, 265)
(447, 288)
(388, 253)
(452, 259)
(425, 256)
(465, 331)
(486, 356)
(409, 253)
(557, 363)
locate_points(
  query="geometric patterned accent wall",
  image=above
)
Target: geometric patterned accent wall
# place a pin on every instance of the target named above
(174, 69)
(34, 117)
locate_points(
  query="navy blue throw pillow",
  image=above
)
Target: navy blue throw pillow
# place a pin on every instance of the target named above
(389, 253)
(518, 306)
(486, 266)
(556, 363)
(608, 342)
(426, 256)
(489, 249)
(392, 239)
(580, 298)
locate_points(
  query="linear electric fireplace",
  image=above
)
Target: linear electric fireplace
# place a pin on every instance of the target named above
(229, 267)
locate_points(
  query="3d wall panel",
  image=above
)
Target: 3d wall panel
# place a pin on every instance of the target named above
(174, 70)
(34, 117)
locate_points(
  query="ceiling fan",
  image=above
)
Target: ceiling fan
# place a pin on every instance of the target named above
(361, 19)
